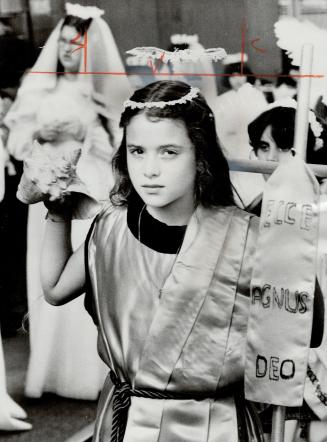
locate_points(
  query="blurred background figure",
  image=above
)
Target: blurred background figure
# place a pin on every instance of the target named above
(50, 108)
(233, 110)
(236, 107)
(16, 54)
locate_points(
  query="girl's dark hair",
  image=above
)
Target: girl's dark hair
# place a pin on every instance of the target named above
(236, 68)
(213, 186)
(81, 27)
(282, 122)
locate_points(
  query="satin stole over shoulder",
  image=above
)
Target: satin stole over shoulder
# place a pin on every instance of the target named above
(180, 341)
(191, 321)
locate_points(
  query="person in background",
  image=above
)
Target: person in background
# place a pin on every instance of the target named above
(271, 136)
(236, 107)
(52, 108)
(233, 110)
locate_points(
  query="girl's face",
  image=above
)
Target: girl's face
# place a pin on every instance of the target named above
(68, 56)
(162, 166)
(268, 149)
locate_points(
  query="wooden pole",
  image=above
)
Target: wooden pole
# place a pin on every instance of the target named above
(267, 167)
(278, 423)
(303, 98)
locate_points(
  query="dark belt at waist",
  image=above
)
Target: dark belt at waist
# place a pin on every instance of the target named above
(122, 400)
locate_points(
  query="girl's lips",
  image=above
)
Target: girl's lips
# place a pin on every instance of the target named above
(152, 186)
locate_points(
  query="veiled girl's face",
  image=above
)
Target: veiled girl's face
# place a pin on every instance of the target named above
(69, 53)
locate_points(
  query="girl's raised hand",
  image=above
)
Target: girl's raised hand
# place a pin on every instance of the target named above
(59, 209)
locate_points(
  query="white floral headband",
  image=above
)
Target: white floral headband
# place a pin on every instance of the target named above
(144, 53)
(83, 12)
(179, 39)
(315, 126)
(194, 92)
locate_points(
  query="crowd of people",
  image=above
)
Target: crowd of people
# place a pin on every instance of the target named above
(121, 193)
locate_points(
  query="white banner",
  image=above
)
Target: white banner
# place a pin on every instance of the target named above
(282, 287)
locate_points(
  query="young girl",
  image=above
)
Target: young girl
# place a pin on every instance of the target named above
(168, 267)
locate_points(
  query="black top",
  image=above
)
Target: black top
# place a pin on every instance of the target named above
(154, 234)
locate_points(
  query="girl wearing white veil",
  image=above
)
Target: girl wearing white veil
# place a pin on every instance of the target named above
(59, 102)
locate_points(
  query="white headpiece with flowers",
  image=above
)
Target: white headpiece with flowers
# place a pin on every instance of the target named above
(315, 126)
(83, 12)
(145, 53)
(194, 92)
(102, 56)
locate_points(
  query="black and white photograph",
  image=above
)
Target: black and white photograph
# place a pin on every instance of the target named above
(163, 220)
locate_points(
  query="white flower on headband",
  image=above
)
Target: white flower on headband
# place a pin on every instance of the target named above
(315, 126)
(194, 91)
(180, 39)
(144, 53)
(83, 12)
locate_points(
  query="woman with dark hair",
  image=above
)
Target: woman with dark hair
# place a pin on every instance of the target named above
(59, 108)
(167, 267)
(213, 186)
(171, 321)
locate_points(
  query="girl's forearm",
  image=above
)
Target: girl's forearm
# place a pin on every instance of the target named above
(62, 271)
(56, 250)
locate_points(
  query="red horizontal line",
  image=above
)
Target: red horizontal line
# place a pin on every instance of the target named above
(182, 74)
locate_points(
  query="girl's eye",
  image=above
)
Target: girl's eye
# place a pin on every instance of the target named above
(136, 151)
(168, 153)
(264, 147)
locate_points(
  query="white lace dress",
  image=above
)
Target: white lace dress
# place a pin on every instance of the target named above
(63, 340)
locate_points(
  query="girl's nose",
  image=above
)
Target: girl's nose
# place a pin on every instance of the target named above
(151, 167)
(273, 155)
